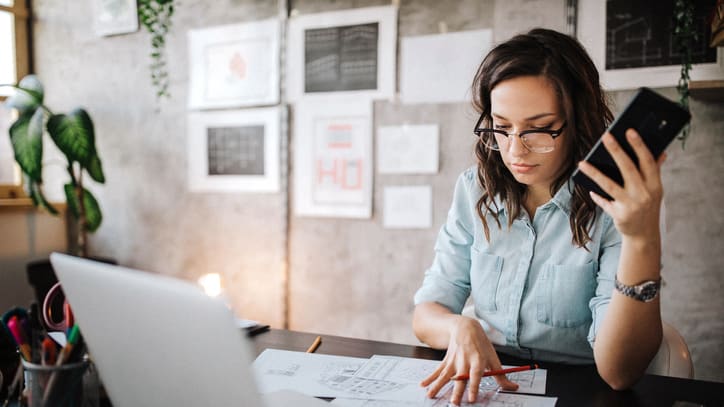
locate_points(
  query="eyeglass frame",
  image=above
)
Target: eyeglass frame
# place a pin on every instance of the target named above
(553, 133)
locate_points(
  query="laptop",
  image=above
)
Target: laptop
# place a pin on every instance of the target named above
(160, 341)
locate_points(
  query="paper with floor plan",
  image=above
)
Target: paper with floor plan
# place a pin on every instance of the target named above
(409, 370)
(327, 376)
(382, 378)
(487, 399)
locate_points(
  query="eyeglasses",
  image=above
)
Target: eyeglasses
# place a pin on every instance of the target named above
(535, 140)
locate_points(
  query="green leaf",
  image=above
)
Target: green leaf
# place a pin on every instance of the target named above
(39, 199)
(93, 215)
(95, 169)
(28, 95)
(26, 136)
(74, 136)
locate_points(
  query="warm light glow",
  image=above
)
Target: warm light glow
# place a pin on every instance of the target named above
(211, 283)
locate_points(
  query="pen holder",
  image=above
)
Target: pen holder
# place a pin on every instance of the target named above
(68, 385)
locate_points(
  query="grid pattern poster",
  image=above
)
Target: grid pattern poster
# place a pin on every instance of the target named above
(341, 58)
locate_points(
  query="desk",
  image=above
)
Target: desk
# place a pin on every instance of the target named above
(573, 385)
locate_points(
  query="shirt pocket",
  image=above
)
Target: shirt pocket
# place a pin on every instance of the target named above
(564, 294)
(485, 272)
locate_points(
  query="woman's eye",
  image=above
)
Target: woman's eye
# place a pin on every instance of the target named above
(501, 127)
(548, 127)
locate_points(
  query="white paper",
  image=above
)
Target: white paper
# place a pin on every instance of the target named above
(333, 158)
(384, 16)
(234, 65)
(286, 398)
(486, 399)
(408, 149)
(440, 68)
(254, 161)
(411, 370)
(386, 380)
(112, 17)
(407, 207)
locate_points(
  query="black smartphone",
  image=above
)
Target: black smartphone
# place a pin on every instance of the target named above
(657, 119)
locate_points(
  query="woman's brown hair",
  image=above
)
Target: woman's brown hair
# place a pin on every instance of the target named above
(565, 63)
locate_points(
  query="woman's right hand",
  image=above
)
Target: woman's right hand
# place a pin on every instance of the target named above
(469, 353)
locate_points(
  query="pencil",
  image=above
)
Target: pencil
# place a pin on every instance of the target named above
(315, 344)
(498, 372)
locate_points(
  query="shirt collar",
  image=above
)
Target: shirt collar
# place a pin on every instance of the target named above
(562, 199)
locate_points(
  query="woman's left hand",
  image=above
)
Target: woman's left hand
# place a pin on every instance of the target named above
(636, 204)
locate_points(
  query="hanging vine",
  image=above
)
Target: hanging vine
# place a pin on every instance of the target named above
(156, 15)
(684, 37)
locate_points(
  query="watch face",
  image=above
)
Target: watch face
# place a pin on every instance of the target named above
(648, 291)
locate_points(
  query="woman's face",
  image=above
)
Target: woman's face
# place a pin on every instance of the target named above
(523, 103)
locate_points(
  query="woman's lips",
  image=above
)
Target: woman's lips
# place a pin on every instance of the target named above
(522, 167)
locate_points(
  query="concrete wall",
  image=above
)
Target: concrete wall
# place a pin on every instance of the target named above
(346, 277)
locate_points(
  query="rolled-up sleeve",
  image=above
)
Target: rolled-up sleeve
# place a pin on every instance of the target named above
(609, 255)
(447, 281)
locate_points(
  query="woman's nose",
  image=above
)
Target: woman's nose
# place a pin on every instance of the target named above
(516, 146)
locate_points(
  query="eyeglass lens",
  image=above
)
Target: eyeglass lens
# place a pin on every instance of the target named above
(535, 142)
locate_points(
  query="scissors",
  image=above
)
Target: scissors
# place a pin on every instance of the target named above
(52, 322)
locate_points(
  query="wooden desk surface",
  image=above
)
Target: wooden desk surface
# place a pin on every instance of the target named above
(573, 385)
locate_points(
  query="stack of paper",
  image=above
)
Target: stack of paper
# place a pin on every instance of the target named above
(382, 381)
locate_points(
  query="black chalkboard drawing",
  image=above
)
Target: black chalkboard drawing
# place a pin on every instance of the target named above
(341, 58)
(235, 150)
(344, 53)
(638, 34)
(631, 44)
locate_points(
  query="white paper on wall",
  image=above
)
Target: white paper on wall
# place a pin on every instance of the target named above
(440, 68)
(333, 158)
(234, 65)
(408, 149)
(407, 207)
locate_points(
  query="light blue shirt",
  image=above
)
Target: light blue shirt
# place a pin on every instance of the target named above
(537, 294)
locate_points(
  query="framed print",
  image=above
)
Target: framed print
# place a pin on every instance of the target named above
(333, 158)
(631, 45)
(350, 52)
(112, 17)
(234, 150)
(234, 65)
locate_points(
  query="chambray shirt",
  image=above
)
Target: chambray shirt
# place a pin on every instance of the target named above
(537, 294)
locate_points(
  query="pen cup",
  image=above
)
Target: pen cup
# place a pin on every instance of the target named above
(68, 385)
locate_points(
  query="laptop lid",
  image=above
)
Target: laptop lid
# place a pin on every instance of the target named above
(157, 340)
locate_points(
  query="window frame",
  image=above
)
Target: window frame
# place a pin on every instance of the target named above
(21, 12)
(12, 194)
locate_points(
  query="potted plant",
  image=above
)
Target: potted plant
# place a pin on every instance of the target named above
(74, 136)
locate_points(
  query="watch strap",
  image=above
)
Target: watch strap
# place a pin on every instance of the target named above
(645, 292)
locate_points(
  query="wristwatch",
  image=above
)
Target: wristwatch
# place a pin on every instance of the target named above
(644, 292)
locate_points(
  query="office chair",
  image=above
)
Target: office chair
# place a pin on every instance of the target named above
(673, 358)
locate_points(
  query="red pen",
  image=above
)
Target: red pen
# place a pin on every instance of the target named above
(49, 352)
(498, 372)
(20, 338)
(68, 314)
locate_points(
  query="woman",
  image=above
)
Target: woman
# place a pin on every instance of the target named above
(544, 262)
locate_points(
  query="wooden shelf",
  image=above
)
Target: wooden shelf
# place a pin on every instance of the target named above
(707, 91)
(25, 204)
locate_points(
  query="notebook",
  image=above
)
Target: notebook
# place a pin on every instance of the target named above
(160, 341)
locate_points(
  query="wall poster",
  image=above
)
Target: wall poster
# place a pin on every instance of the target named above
(234, 151)
(630, 43)
(350, 52)
(333, 159)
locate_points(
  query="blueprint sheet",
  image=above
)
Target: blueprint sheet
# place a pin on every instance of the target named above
(381, 378)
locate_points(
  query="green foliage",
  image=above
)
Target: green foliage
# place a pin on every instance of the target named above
(74, 136)
(156, 15)
(684, 37)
